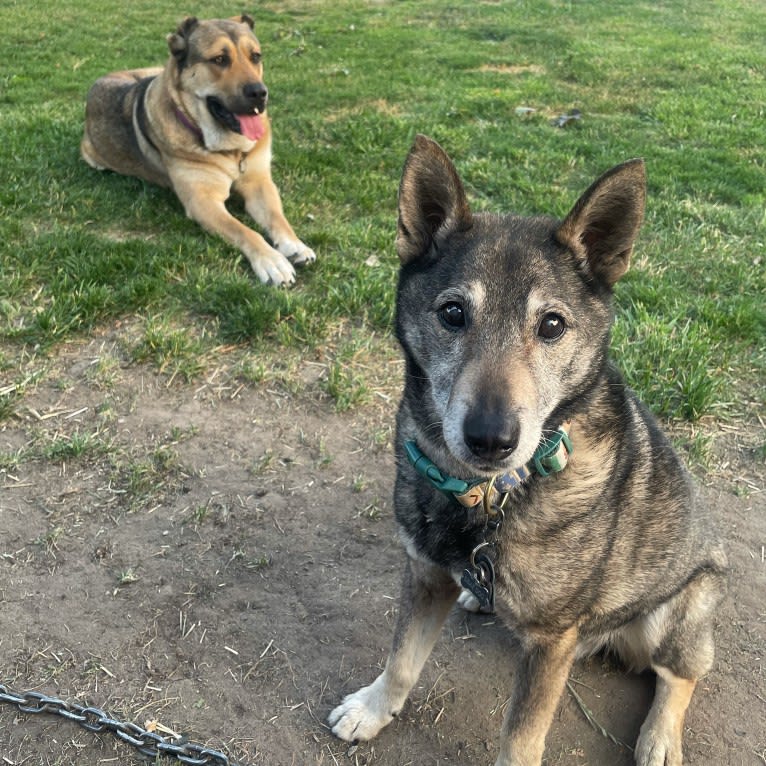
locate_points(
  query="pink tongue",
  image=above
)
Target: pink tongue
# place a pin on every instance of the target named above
(252, 126)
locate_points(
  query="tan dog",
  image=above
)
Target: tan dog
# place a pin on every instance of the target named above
(199, 126)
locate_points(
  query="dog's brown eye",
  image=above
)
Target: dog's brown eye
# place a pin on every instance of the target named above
(452, 315)
(222, 60)
(551, 327)
(255, 58)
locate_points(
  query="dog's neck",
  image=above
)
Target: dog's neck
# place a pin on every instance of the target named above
(196, 131)
(551, 456)
(187, 122)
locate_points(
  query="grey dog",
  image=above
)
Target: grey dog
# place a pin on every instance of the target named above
(531, 480)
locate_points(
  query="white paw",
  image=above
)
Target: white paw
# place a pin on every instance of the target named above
(657, 747)
(361, 715)
(468, 601)
(296, 251)
(272, 268)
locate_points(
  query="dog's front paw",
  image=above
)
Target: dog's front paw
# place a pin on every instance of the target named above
(271, 267)
(658, 746)
(296, 251)
(361, 715)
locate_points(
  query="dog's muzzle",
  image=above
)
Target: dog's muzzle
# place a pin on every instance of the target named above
(243, 115)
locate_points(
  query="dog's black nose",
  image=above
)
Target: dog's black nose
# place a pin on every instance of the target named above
(490, 436)
(256, 92)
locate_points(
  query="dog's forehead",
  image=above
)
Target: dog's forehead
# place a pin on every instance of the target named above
(509, 267)
(215, 34)
(500, 261)
(511, 250)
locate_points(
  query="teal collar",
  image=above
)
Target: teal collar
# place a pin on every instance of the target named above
(551, 456)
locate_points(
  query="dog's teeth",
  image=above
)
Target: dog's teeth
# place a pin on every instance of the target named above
(256, 110)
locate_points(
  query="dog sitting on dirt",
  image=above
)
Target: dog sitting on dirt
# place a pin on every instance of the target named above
(199, 126)
(530, 479)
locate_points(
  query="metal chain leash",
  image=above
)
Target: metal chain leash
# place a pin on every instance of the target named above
(95, 720)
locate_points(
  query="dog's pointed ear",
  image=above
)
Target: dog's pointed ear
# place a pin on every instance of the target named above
(245, 19)
(432, 201)
(178, 42)
(604, 223)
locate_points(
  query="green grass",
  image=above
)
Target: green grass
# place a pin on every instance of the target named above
(73, 446)
(680, 83)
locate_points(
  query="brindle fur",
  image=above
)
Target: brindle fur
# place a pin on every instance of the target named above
(612, 552)
(132, 126)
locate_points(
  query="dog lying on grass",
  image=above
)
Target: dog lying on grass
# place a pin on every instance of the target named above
(199, 126)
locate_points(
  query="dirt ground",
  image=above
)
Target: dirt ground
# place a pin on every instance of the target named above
(221, 559)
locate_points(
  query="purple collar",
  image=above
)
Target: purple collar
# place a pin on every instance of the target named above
(189, 125)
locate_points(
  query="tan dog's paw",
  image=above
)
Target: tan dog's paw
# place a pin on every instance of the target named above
(271, 267)
(361, 715)
(296, 251)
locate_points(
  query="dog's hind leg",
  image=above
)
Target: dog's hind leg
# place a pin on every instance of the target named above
(88, 153)
(109, 139)
(680, 634)
(428, 594)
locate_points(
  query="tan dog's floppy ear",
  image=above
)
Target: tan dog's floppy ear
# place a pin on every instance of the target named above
(178, 42)
(245, 19)
(432, 200)
(604, 223)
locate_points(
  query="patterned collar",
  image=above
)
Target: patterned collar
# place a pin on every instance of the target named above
(551, 456)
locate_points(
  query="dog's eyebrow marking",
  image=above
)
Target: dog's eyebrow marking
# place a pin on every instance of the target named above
(473, 294)
(536, 300)
(236, 37)
(477, 292)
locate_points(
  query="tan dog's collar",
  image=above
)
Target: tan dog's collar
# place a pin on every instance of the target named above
(196, 131)
(187, 122)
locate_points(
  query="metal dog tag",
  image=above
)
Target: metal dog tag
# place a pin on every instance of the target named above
(480, 581)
